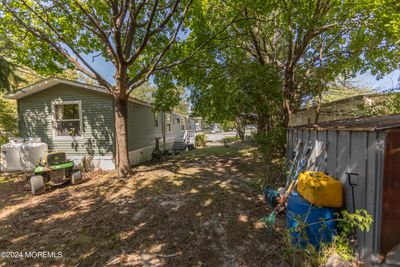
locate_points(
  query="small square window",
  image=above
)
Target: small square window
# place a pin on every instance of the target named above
(68, 119)
(168, 121)
(183, 124)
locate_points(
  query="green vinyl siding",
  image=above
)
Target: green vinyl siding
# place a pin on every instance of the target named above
(36, 119)
(142, 131)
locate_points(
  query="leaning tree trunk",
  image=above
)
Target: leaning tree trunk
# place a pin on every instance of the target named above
(288, 91)
(318, 108)
(121, 136)
(286, 113)
(239, 125)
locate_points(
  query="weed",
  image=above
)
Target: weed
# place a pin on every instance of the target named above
(343, 243)
(200, 140)
(4, 180)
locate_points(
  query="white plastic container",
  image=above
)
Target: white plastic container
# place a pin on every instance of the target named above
(10, 155)
(32, 151)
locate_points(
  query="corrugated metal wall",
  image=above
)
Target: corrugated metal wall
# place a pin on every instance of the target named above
(360, 152)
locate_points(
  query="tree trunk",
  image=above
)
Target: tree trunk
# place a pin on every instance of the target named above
(240, 128)
(121, 136)
(287, 112)
(318, 108)
(288, 92)
(261, 124)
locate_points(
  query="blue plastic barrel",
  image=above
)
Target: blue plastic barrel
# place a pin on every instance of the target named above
(309, 224)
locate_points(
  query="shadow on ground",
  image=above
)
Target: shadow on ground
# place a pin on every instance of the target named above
(197, 209)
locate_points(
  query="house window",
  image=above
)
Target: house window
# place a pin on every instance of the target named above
(155, 119)
(168, 122)
(183, 124)
(68, 119)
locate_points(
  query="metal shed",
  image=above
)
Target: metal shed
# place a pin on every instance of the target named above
(370, 148)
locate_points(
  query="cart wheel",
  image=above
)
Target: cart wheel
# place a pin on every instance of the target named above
(76, 177)
(37, 184)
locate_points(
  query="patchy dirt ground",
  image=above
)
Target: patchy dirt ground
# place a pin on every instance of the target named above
(198, 209)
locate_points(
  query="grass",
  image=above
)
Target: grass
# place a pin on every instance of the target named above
(216, 151)
(230, 139)
(234, 150)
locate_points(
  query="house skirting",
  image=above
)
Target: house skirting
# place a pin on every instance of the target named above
(144, 154)
(107, 163)
(104, 163)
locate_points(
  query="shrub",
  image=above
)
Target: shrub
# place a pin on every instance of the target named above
(271, 144)
(227, 126)
(343, 244)
(200, 140)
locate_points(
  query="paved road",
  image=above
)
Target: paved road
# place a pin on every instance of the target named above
(219, 136)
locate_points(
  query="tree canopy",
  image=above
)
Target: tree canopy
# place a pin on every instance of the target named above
(9, 78)
(138, 38)
(306, 45)
(249, 61)
(164, 99)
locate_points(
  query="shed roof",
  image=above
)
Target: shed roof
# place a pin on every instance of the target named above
(365, 123)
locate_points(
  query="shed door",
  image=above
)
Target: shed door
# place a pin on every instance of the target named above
(390, 233)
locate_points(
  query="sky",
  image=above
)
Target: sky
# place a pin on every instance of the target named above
(389, 81)
(106, 69)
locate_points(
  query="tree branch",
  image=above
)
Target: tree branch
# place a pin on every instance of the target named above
(150, 32)
(131, 28)
(101, 33)
(119, 17)
(42, 36)
(200, 46)
(254, 40)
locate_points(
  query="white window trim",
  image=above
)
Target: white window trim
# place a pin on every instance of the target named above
(53, 110)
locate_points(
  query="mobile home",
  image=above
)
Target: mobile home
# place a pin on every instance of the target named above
(78, 118)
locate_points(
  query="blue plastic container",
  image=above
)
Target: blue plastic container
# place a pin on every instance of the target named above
(315, 222)
(271, 196)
